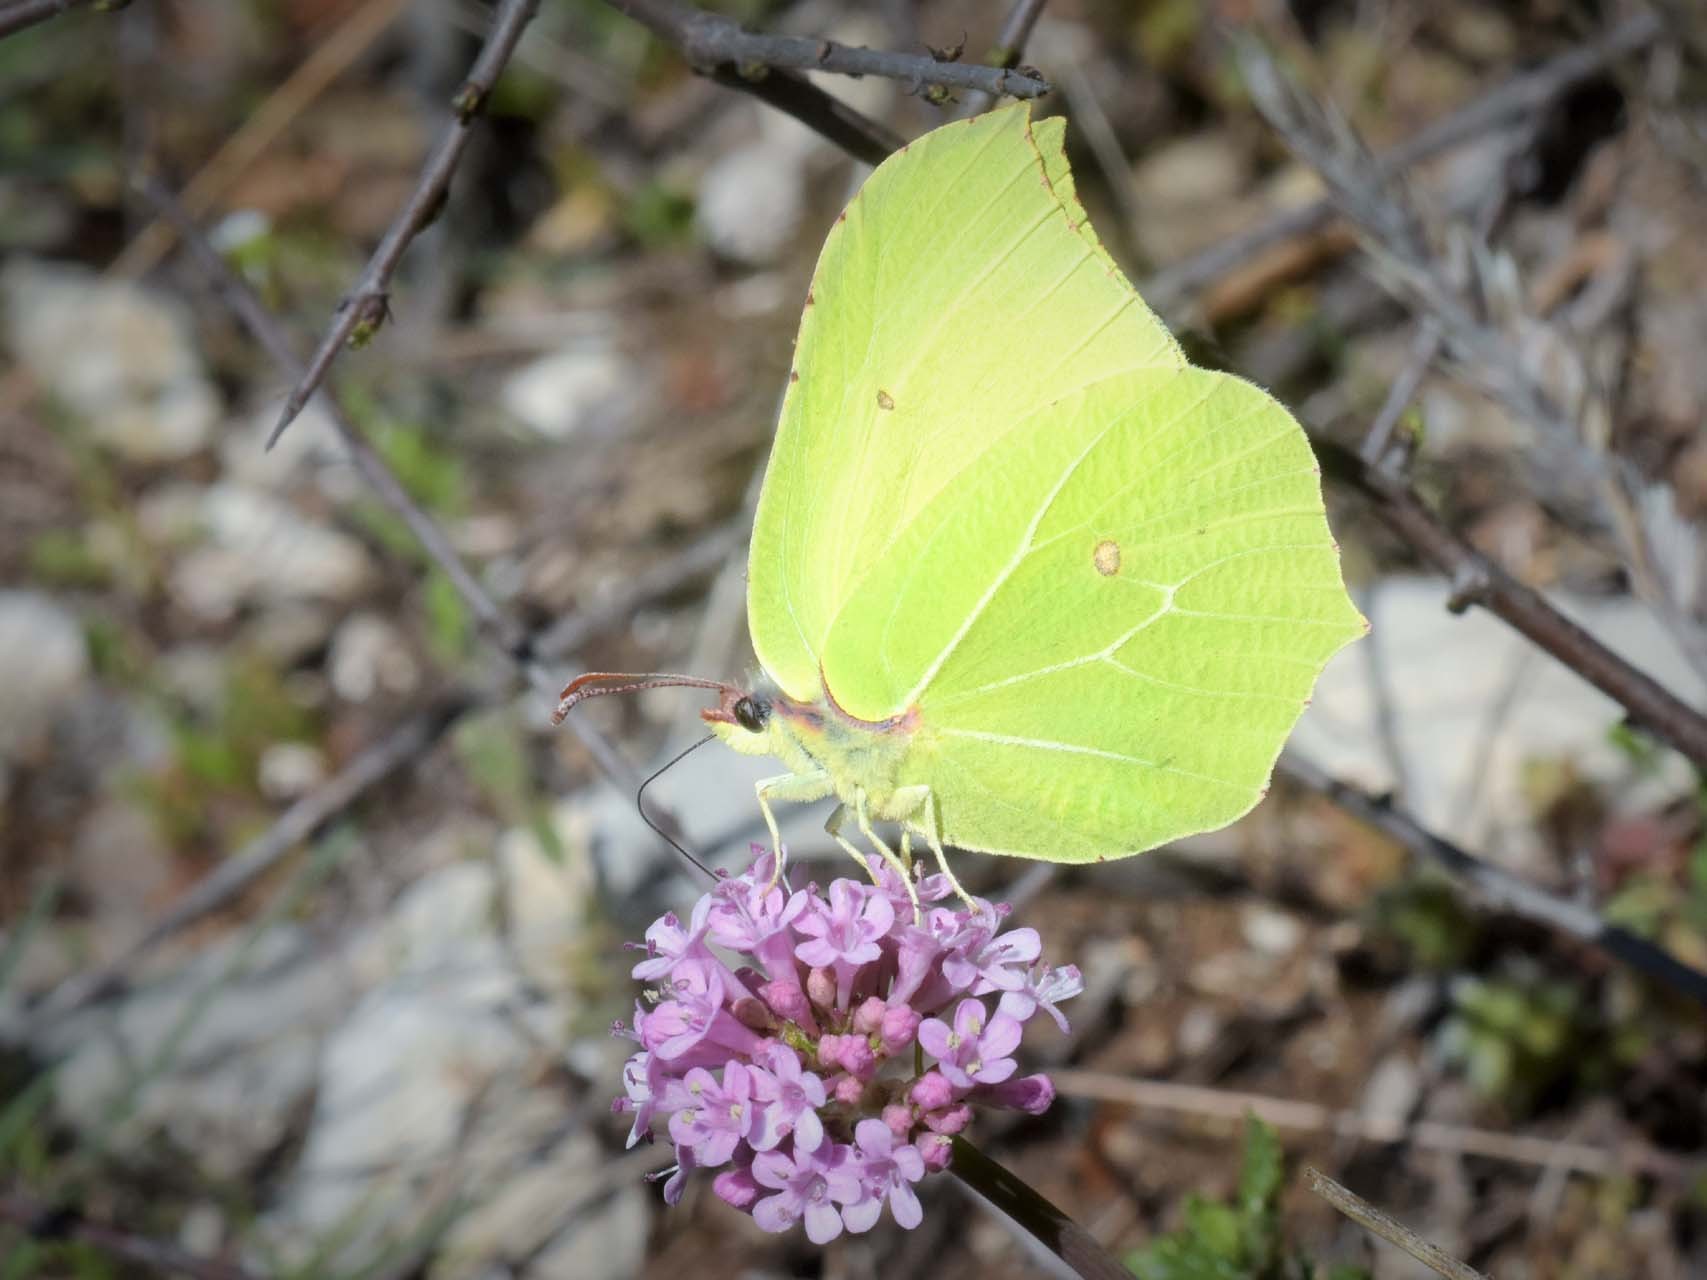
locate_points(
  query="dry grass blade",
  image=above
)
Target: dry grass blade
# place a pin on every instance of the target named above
(1389, 1229)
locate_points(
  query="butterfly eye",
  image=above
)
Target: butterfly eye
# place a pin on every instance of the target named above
(751, 714)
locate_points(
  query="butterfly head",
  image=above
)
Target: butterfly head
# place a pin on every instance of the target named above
(742, 720)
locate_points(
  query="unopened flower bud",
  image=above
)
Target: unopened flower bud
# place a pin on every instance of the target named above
(789, 1003)
(751, 1012)
(1030, 1094)
(868, 1018)
(821, 988)
(949, 1119)
(899, 1118)
(736, 1187)
(936, 1150)
(932, 1092)
(900, 1027)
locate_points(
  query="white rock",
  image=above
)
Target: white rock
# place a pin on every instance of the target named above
(1392, 1090)
(44, 661)
(120, 357)
(558, 395)
(750, 202)
(123, 872)
(287, 770)
(1272, 932)
(261, 549)
(369, 655)
(1463, 768)
(398, 1078)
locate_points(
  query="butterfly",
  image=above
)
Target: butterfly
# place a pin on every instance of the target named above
(1022, 579)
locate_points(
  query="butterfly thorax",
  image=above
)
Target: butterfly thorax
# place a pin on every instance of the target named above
(818, 736)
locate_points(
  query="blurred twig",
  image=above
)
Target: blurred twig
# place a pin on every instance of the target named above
(1389, 1229)
(1515, 99)
(1008, 50)
(46, 1223)
(1147, 1096)
(26, 13)
(1501, 887)
(365, 308)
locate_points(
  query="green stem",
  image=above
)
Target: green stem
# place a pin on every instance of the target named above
(1053, 1229)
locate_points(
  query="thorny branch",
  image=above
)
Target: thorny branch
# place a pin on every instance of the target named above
(365, 308)
(1512, 100)
(1500, 887)
(26, 13)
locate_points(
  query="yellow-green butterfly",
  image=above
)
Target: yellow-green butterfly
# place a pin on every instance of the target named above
(1022, 579)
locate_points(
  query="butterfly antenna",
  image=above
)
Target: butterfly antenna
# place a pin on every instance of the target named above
(596, 684)
(640, 807)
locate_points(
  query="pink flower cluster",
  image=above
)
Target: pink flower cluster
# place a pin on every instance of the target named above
(795, 1066)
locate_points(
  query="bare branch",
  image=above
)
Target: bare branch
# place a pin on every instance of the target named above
(1500, 887)
(26, 13)
(1513, 100)
(47, 1222)
(709, 41)
(1389, 1229)
(366, 307)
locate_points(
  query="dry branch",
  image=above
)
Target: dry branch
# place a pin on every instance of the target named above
(366, 307)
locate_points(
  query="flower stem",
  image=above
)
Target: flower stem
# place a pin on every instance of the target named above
(1021, 1202)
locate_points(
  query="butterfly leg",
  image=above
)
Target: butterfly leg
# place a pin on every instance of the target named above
(801, 788)
(833, 828)
(923, 803)
(862, 817)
